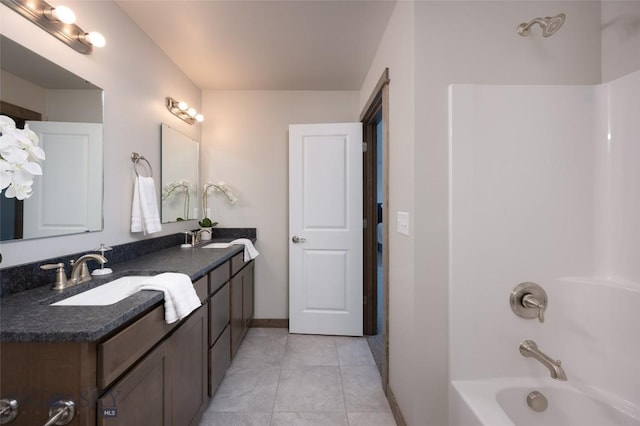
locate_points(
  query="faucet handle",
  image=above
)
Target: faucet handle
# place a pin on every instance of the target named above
(530, 301)
(85, 275)
(61, 276)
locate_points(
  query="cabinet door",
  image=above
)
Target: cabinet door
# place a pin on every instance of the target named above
(247, 295)
(237, 322)
(219, 360)
(218, 313)
(189, 346)
(142, 397)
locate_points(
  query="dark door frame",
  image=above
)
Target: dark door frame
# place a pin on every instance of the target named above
(376, 110)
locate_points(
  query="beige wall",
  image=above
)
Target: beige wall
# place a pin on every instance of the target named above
(396, 51)
(18, 91)
(427, 49)
(136, 76)
(245, 144)
(473, 42)
(620, 38)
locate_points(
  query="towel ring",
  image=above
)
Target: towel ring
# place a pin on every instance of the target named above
(135, 157)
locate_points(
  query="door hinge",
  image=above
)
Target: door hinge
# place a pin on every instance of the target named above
(364, 300)
(364, 223)
(364, 147)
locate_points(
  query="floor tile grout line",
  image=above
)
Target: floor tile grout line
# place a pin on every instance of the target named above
(275, 396)
(350, 359)
(344, 394)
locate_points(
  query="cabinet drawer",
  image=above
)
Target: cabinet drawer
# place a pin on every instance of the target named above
(219, 360)
(237, 263)
(142, 397)
(120, 352)
(218, 313)
(202, 288)
(218, 277)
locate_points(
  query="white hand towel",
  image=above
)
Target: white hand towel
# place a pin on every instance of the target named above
(180, 298)
(250, 251)
(144, 210)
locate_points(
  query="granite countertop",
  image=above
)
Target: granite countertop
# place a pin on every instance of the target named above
(27, 316)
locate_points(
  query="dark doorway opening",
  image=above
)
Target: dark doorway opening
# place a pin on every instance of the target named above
(375, 200)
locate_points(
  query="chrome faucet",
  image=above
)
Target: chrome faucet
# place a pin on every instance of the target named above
(529, 349)
(79, 271)
(196, 236)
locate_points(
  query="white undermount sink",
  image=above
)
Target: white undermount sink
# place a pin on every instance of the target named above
(106, 294)
(217, 245)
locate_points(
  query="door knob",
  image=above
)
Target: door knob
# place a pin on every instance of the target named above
(297, 239)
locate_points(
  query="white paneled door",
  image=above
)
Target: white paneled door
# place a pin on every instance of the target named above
(325, 229)
(72, 187)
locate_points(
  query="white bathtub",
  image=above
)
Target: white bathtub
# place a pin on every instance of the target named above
(503, 402)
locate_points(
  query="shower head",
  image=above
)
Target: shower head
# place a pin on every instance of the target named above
(550, 25)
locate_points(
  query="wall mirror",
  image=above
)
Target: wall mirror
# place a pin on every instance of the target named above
(179, 153)
(66, 112)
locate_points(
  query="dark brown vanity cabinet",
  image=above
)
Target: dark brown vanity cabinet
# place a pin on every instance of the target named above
(230, 313)
(170, 382)
(241, 300)
(146, 373)
(189, 369)
(168, 386)
(143, 396)
(219, 329)
(149, 372)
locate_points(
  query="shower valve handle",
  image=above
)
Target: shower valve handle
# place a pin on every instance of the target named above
(530, 301)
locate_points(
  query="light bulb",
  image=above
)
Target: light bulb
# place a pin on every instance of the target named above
(199, 118)
(60, 13)
(96, 39)
(182, 106)
(192, 112)
(65, 14)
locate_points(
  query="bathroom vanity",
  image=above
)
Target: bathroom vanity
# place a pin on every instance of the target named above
(121, 364)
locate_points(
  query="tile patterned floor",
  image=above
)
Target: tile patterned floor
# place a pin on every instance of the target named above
(281, 379)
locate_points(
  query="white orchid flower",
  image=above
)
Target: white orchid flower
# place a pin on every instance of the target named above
(18, 191)
(220, 187)
(10, 151)
(18, 178)
(6, 124)
(19, 153)
(27, 140)
(5, 174)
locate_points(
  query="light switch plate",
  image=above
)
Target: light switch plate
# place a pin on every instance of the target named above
(402, 225)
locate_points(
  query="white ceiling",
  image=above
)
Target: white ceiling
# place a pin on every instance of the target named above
(265, 44)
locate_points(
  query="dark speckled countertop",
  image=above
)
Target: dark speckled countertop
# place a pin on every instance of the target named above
(27, 316)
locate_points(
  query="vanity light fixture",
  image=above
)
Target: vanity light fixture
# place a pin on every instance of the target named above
(59, 22)
(181, 110)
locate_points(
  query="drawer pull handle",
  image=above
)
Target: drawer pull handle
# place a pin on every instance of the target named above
(61, 413)
(8, 410)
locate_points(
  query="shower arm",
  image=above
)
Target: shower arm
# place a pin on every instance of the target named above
(523, 29)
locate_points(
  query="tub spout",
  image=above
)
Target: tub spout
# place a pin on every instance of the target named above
(529, 349)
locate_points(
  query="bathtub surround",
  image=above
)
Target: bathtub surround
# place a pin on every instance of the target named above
(27, 276)
(545, 188)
